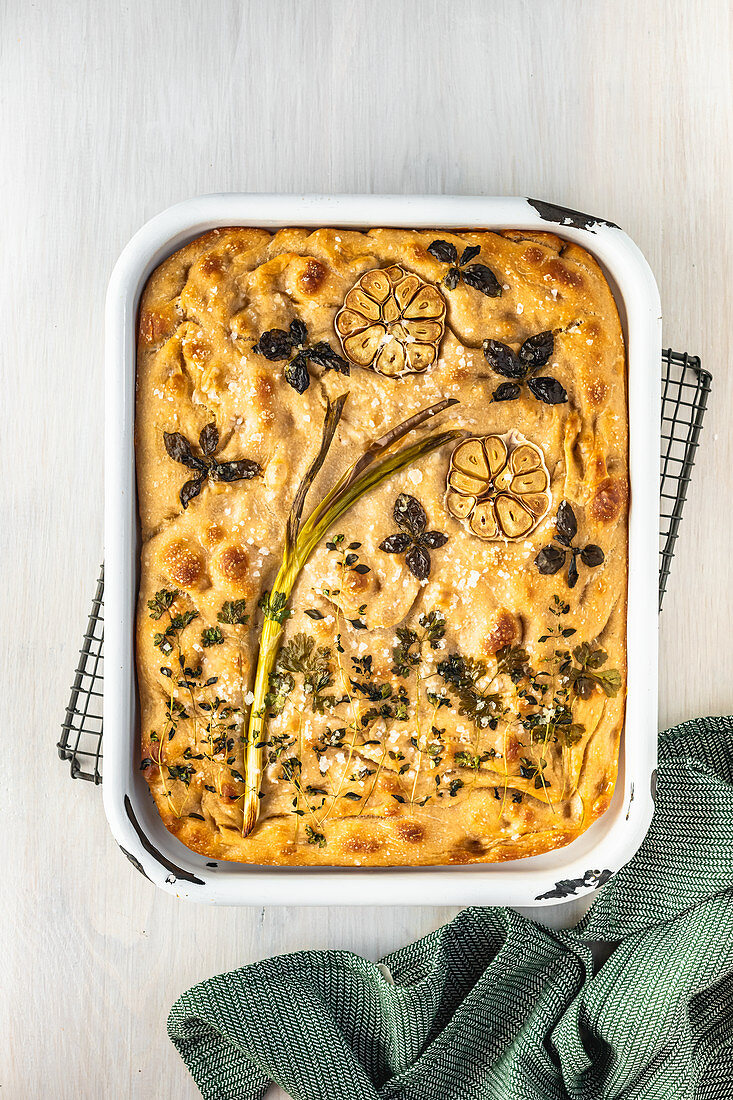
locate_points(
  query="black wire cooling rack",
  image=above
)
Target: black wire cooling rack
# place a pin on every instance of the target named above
(685, 389)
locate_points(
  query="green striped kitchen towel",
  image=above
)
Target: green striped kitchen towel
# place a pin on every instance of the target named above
(495, 1007)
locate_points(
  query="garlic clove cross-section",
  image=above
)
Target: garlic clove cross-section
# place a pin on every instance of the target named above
(514, 519)
(470, 457)
(459, 505)
(362, 348)
(483, 521)
(376, 285)
(464, 483)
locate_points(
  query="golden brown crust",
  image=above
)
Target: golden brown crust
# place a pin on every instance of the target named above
(369, 798)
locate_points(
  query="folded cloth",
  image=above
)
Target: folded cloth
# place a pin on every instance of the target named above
(495, 1006)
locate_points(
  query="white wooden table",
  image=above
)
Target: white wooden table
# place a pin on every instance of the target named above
(109, 114)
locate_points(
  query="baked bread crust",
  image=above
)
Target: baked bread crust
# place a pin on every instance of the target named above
(370, 796)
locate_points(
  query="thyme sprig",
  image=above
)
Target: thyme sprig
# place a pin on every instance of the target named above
(314, 837)
(348, 562)
(233, 614)
(464, 677)
(554, 723)
(215, 723)
(532, 769)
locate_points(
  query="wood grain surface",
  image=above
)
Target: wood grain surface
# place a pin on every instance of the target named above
(109, 114)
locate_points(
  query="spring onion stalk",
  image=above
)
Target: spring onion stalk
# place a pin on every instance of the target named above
(371, 470)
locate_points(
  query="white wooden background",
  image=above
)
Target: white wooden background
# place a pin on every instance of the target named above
(109, 113)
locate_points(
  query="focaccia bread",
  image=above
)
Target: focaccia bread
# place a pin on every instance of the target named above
(443, 676)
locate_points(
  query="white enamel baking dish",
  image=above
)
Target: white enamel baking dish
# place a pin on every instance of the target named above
(569, 872)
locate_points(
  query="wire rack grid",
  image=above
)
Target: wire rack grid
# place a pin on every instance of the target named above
(685, 390)
(81, 732)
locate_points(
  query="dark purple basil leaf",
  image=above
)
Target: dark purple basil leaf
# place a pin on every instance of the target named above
(482, 278)
(537, 349)
(298, 332)
(566, 525)
(323, 355)
(573, 573)
(452, 279)
(550, 560)
(313, 613)
(592, 555)
(209, 439)
(584, 686)
(179, 450)
(507, 391)
(242, 470)
(296, 373)
(362, 569)
(358, 624)
(274, 345)
(409, 514)
(469, 253)
(502, 360)
(190, 490)
(396, 544)
(417, 561)
(433, 540)
(444, 251)
(548, 390)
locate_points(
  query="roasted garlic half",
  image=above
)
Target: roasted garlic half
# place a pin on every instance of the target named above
(498, 486)
(392, 322)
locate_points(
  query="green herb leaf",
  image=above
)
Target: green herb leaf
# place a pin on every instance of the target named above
(514, 662)
(233, 613)
(273, 606)
(312, 837)
(161, 602)
(585, 677)
(313, 663)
